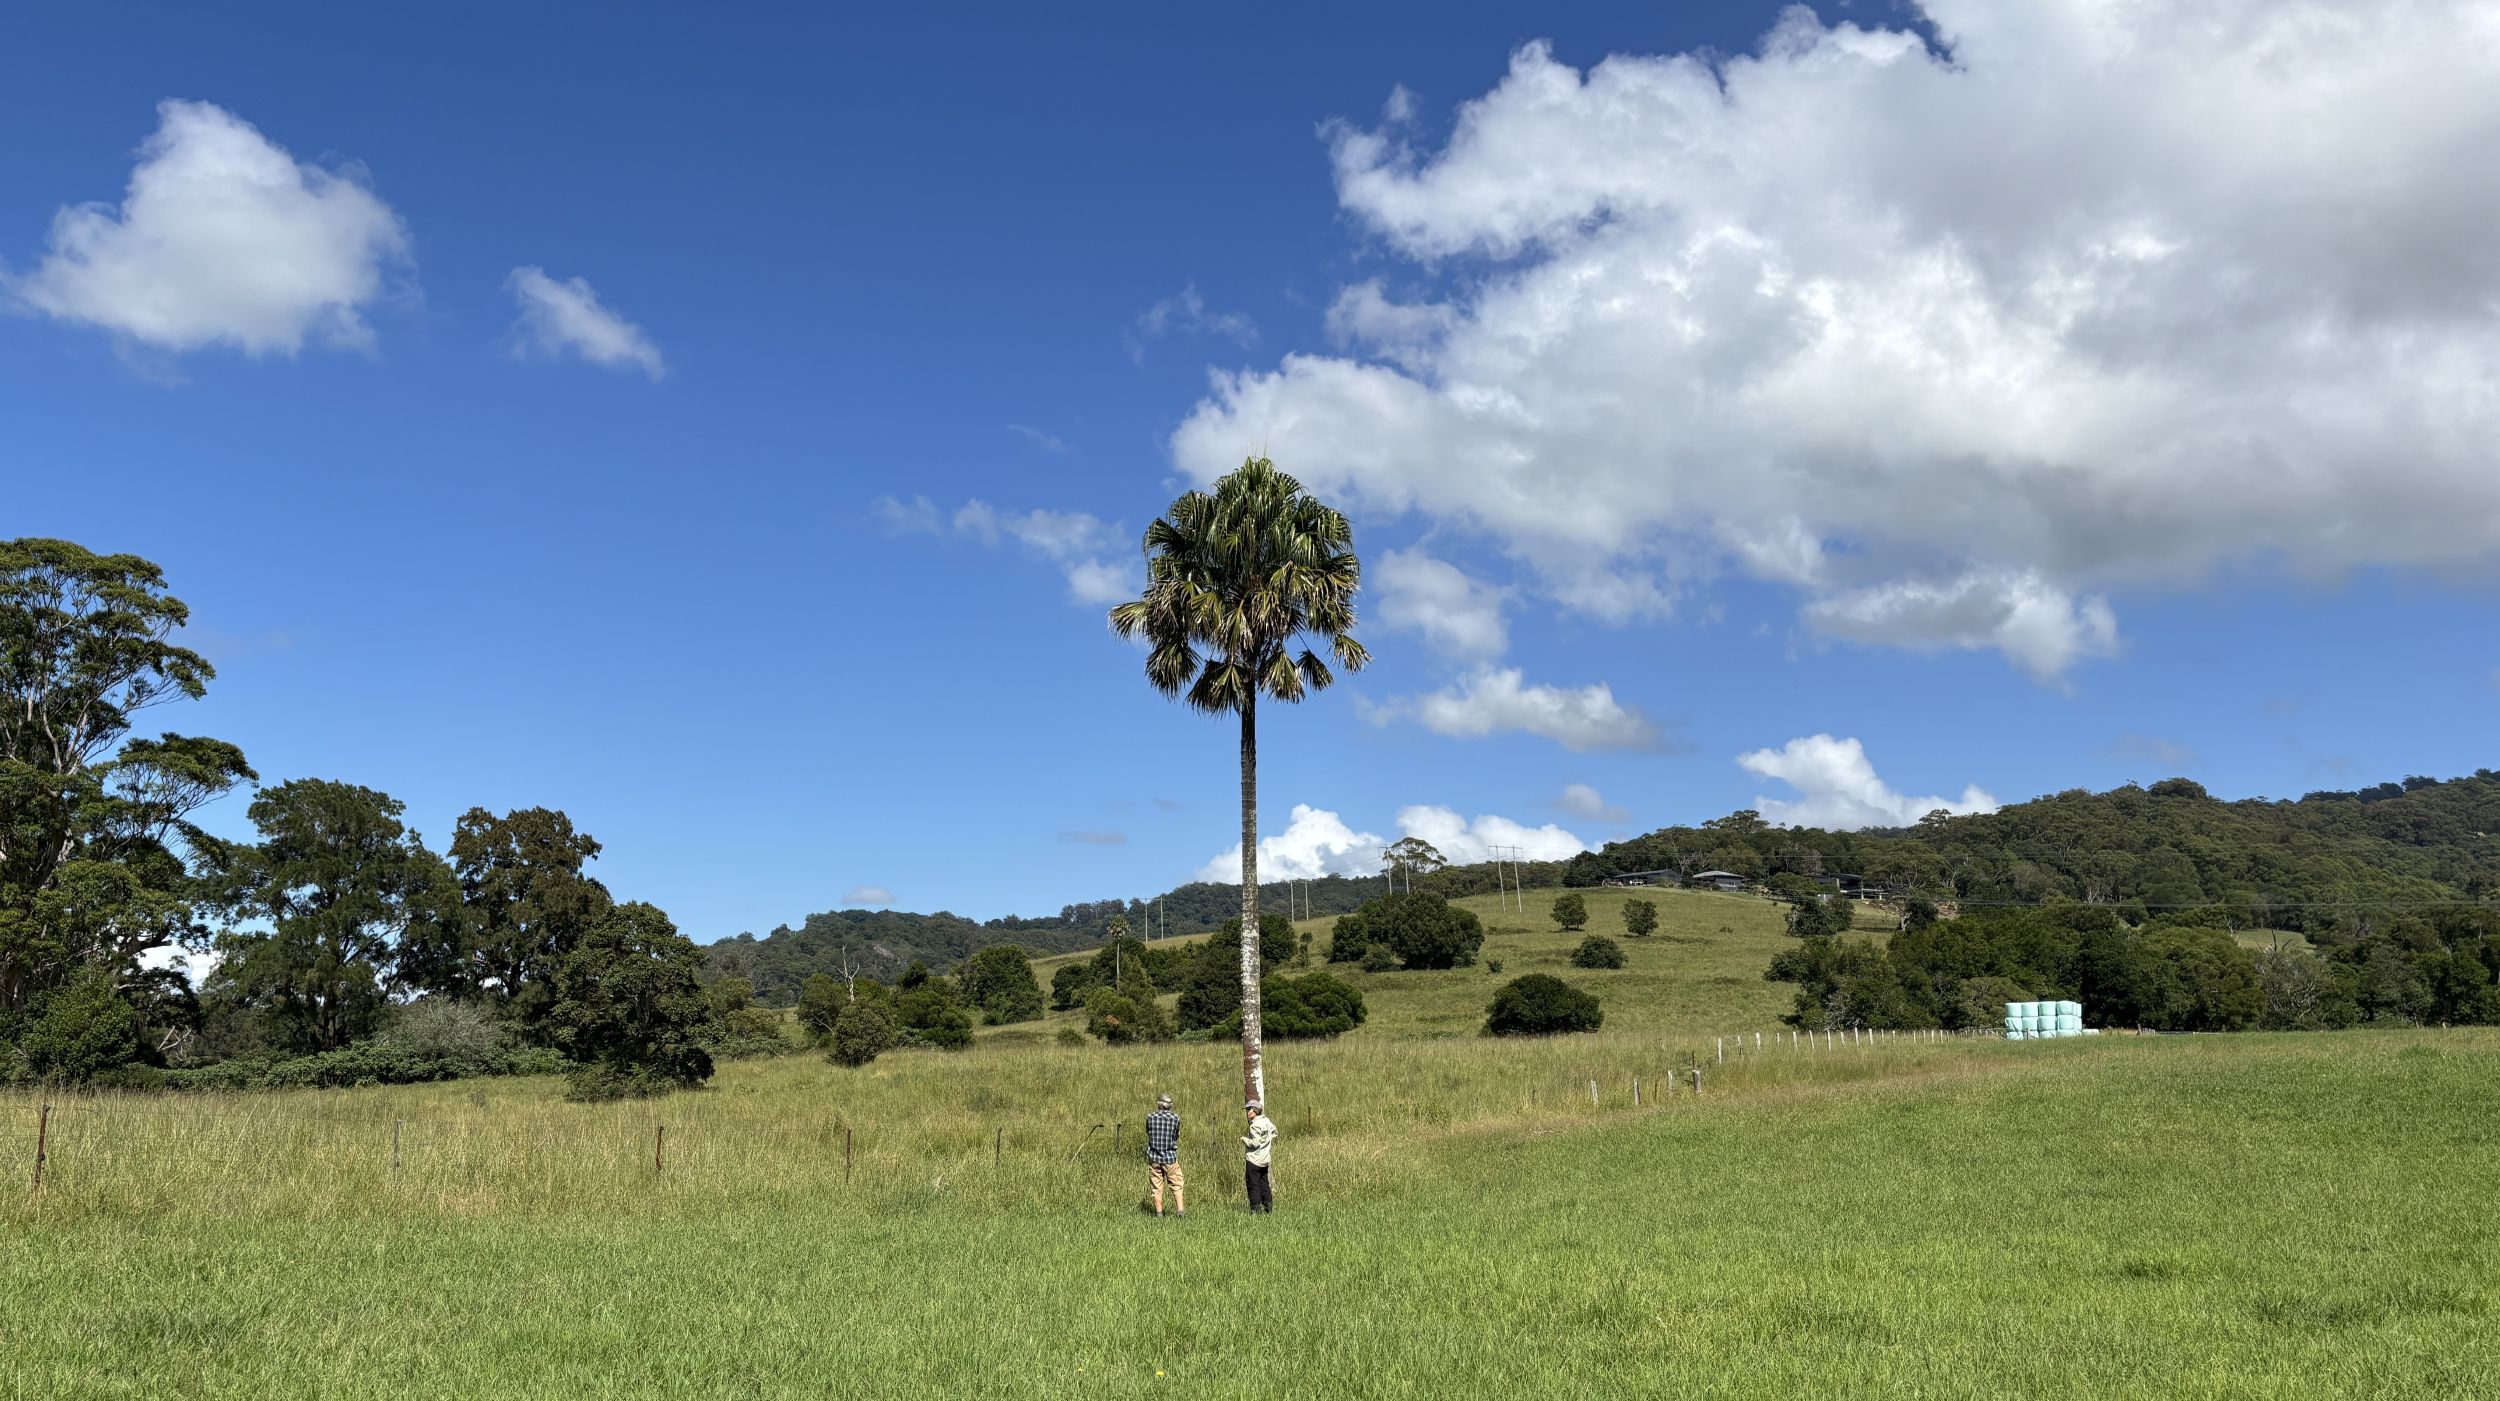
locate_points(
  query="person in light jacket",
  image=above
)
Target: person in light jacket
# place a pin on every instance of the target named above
(1258, 1148)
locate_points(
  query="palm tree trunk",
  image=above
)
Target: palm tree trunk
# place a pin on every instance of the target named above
(1253, 1067)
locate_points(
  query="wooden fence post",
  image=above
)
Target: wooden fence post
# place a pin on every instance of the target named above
(43, 1140)
(998, 1146)
(1697, 1081)
(846, 1155)
(1592, 1094)
(659, 1141)
(395, 1127)
(1636, 1092)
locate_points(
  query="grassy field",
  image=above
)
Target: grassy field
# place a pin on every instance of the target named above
(2206, 1216)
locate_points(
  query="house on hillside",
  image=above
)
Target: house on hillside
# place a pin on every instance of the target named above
(1850, 887)
(1646, 878)
(1715, 880)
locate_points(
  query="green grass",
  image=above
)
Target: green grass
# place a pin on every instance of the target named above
(2174, 1216)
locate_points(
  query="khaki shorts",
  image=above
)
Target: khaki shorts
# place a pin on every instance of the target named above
(1158, 1174)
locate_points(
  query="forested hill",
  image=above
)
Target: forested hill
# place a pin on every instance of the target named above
(2318, 862)
(882, 943)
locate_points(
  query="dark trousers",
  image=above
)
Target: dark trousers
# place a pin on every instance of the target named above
(1262, 1196)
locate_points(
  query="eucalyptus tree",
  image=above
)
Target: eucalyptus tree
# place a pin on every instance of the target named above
(1237, 578)
(94, 819)
(323, 909)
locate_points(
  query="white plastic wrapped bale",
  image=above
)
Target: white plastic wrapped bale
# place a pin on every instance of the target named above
(2070, 1009)
(2070, 1023)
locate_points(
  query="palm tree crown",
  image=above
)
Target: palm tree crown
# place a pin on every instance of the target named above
(1233, 578)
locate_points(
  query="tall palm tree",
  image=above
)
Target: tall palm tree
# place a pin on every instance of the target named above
(1234, 578)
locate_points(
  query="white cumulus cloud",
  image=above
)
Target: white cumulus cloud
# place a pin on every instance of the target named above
(1317, 842)
(1500, 700)
(1464, 841)
(566, 317)
(863, 895)
(2100, 299)
(1837, 788)
(1457, 615)
(222, 238)
(1580, 800)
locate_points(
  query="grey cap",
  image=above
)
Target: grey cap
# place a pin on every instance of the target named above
(1163, 1101)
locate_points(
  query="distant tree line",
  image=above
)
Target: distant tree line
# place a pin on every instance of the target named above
(882, 942)
(2328, 864)
(2177, 971)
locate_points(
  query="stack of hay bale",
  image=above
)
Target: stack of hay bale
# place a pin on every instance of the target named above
(2039, 1021)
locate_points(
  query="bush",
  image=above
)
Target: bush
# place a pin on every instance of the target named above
(594, 1084)
(1210, 983)
(1311, 1006)
(750, 1032)
(1070, 1036)
(630, 1002)
(1819, 917)
(1640, 918)
(1378, 959)
(1493, 966)
(821, 999)
(927, 1016)
(999, 980)
(465, 1036)
(1420, 928)
(1120, 1017)
(1597, 951)
(1571, 912)
(1068, 986)
(861, 1034)
(85, 1028)
(1540, 1004)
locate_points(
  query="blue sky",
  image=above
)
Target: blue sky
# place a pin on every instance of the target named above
(1802, 385)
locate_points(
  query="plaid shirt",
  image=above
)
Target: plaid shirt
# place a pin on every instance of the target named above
(1163, 1136)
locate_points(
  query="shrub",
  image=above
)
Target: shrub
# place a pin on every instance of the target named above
(630, 1003)
(750, 1032)
(1213, 991)
(463, 1034)
(1313, 1005)
(862, 1033)
(1420, 928)
(821, 999)
(86, 1027)
(1379, 959)
(1540, 1004)
(1571, 912)
(1120, 1017)
(1640, 918)
(1493, 966)
(1211, 986)
(1068, 986)
(1597, 951)
(1819, 917)
(927, 1016)
(1070, 1036)
(365, 1063)
(999, 980)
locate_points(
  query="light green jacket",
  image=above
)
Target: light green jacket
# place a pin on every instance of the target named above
(1261, 1140)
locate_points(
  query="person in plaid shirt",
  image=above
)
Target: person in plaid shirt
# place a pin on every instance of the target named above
(1163, 1155)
